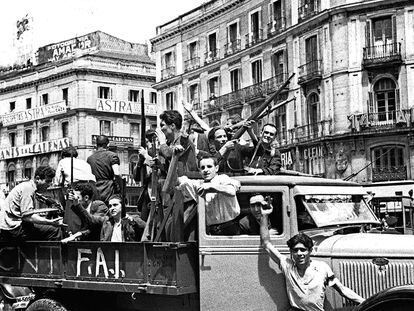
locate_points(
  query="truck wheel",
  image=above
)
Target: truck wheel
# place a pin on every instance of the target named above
(46, 304)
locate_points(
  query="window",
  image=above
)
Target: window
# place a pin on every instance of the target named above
(104, 92)
(313, 104)
(255, 26)
(12, 139)
(212, 45)
(65, 129)
(28, 136)
(213, 87)
(168, 59)
(169, 100)
(65, 95)
(257, 71)
(29, 103)
(135, 130)
(133, 95)
(278, 65)
(235, 80)
(233, 33)
(27, 170)
(193, 94)
(45, 133)
(44, 100)
(12, 106)
(386, 96)
(153, 97)
(280, 114)
(105, 127)
(381, 37)
(192, 50)
(382, 30)
(388, 163)
(11, 174)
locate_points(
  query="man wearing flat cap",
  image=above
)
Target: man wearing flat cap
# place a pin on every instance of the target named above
(105, 167)
(250, 224)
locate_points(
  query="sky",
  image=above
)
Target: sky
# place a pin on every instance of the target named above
(53, 21)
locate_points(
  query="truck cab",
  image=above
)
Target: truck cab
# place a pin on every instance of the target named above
(220, 272)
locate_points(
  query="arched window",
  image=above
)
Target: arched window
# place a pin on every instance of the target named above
(386, 99)
(388, 163)
(27, 170)
(313, 114)
(44, 161)
(11, 174)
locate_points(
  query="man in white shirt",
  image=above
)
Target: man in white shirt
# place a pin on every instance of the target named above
(219, 192)
(81, 169)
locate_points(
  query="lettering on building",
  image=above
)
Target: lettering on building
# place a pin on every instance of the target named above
(124, 107)
(312, 153)
(286, 159)
(32, 149)
(117, 140)
(36, 113)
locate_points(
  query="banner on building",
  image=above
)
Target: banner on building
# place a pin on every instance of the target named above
(37, 113)
(68, 49)
(34, 149)
(118, 141)
(125, 107)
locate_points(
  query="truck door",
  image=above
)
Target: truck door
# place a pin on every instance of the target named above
(235, 272)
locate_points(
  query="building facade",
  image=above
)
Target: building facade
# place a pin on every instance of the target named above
(73, 91)
(350, 107)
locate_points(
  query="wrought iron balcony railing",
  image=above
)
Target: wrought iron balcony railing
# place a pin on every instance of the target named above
(309, 9)
(192, 63)
(389, 173)
(310, 131)
(382, 53)
(310, 71)
(378, 120)
(276, 26)
(254, 38)
(168, 72)
(211, 56)
(232, 47)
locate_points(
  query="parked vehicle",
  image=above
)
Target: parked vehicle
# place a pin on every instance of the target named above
(219, 272)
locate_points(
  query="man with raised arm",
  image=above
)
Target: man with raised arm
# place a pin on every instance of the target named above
(306, 279)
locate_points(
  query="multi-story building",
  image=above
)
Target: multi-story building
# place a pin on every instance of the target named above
(75, 90)
(352, 96)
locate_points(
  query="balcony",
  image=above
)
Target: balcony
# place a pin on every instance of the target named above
(276, 26)
(254, 38)
(378, 121)
(168, 73)
(311, 8)
(310, 132)
(389, 173)
(245, 95)
(192, 63)
(232, 47)
(379, 55)
(310, 71)
(211, 56)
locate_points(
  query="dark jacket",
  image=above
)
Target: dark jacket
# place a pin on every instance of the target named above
(131, 231)
(91, 221)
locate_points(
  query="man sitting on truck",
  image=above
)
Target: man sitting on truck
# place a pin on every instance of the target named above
(18, 218)
(306, 279)
(219, 192)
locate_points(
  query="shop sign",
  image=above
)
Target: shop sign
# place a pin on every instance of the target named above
(286, 158)
(125, 107)
(33, 149)
(67, 49)
(118, 141)
(37, 113)
(313, 153)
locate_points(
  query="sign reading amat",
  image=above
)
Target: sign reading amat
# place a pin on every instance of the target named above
(32, 149)
(117, 140)
(125, 107)
(33, 114)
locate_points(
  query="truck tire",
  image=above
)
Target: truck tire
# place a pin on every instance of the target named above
(46, 304)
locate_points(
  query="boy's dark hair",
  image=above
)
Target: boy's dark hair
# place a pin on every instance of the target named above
(172, 117)
(208, 157)
(269, 124)
(69, 151)
(212, 133)
(102, 141)
(45, 172)
(300, 238)
(86, 188)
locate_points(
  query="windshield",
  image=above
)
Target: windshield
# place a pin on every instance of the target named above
(327, 210)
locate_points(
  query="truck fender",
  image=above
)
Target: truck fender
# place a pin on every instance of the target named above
(13, 292)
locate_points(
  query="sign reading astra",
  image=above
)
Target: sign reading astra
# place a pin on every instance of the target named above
(27, 150)
(33, 114)
(125, 107)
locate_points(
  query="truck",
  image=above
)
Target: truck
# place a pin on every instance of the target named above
(215, 272)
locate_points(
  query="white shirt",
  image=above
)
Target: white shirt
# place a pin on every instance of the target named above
(117, 232)
(220, 207)
(81, 171)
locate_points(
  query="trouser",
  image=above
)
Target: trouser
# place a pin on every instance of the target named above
(28, 231)
(231, 227)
